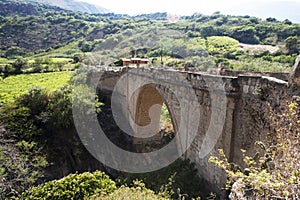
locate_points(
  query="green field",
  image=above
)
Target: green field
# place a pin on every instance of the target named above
(3, 60)
(13, 86)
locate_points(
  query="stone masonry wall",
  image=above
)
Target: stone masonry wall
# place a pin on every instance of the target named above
(233, 111)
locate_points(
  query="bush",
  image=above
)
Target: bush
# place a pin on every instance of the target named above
(292, 45)
(175, 180)
(221, 45)
(19, 64)
(60, 109)
(274, 171)
(14, 51)
(39, 111)
(73, 186)
(139, 191)
(260, 65)
(86, 46)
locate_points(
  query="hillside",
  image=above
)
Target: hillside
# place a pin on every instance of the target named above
(32, 29)
(35, 26)
(11, 8)
(73, 5)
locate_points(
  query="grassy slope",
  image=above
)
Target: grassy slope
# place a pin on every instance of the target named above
(66, 51)
(14, 86)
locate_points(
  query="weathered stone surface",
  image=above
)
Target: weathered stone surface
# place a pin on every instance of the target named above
(233, 110)
(294, 79)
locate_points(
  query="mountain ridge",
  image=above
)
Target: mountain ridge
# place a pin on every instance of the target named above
(74, 5)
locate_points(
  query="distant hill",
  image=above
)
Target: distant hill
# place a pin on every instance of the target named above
(34, 27)
(74, 5)
(12, 8)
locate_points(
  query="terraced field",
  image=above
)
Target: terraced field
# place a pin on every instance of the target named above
(14, 86)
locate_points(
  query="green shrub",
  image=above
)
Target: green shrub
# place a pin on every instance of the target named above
(19, 64)
(179, 178)
(260, 65)
(14, 51)
(2, 169)
(274, 171)
(73, 186)
(39, 111)
(221, 45)
(139, 191)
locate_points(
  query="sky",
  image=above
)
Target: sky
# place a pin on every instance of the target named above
(280, 9)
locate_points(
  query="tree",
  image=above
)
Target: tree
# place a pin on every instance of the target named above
(14, 51)
(245, 34)
(271, 19)
(207, 31)
(288, 22)
(292, 44)
(77, 58)
(86, 46)
(19, 64)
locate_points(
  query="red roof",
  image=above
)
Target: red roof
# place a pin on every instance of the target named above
(136, 59)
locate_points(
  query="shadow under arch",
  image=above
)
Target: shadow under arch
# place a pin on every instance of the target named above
(148, 101)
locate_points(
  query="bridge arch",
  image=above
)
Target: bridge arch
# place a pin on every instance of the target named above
(148, 101)
(227, 103)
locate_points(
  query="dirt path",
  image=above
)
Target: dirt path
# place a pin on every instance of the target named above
(258, 47)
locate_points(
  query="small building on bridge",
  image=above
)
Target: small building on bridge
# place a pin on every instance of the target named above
(137, 61)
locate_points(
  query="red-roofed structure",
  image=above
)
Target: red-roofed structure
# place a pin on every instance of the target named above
(138, 61)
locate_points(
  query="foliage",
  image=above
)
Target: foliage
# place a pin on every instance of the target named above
(18, 65)
(60, 109)
(31, 29)
(14, 86)
(86, 46)
(23, 167)
(38, 111)
(14, 51)
(221, 45)
(84, 99)
(24, 123)
(137, 192)
(189, 40)
(73, 186)
(178, 179)
(20, 121)
(292, 45)
(25, 117)
(260, 65)
(77, 58)
(29, 120)
(197, 40)
(245, 34)
(274, 171)
(2, 173)
(2, 170)
(165, 120)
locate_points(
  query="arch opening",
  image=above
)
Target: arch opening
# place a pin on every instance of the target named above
(153, 120)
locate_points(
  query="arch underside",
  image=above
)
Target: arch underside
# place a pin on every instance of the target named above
(149, 100)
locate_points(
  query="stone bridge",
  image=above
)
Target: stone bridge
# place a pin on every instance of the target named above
(208, 112)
